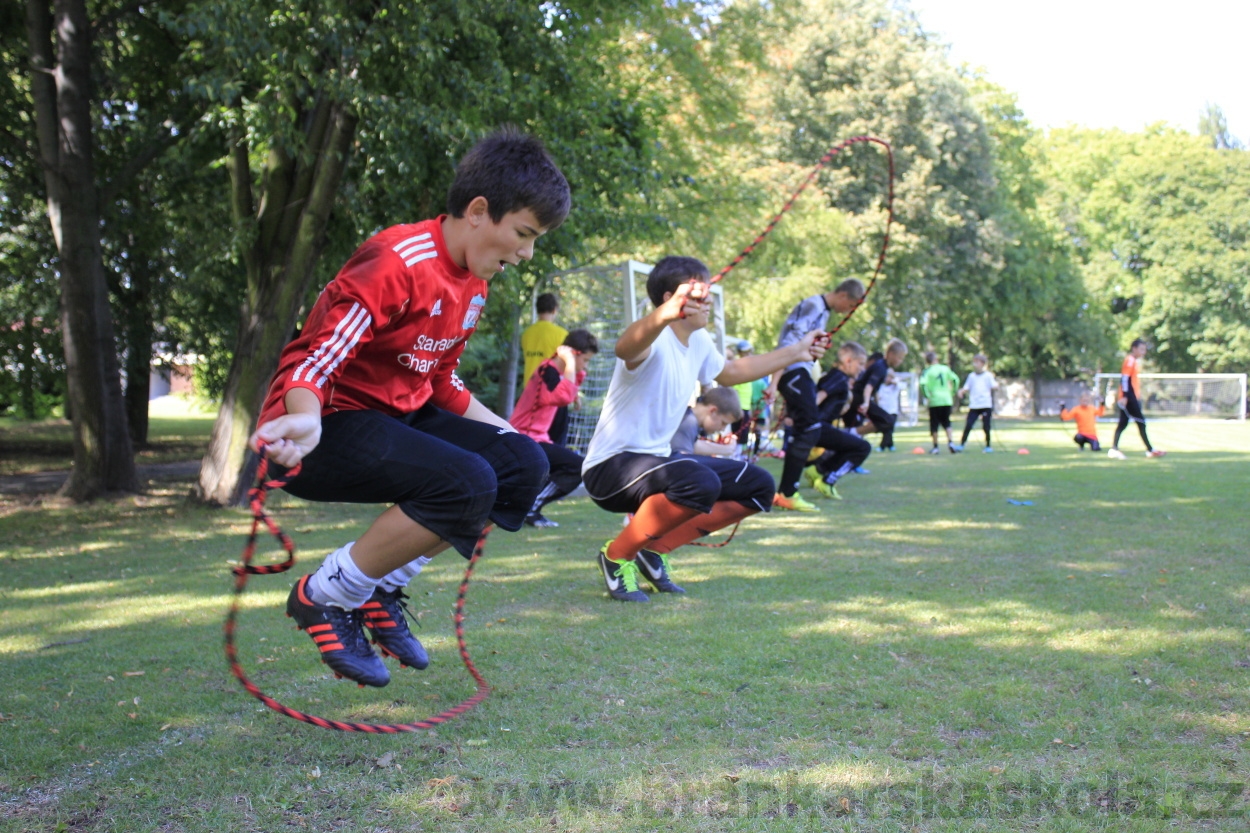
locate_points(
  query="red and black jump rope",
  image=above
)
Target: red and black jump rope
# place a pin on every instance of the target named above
(827, 338)
(256, 501)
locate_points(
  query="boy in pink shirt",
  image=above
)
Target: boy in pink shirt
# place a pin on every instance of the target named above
(553, 386)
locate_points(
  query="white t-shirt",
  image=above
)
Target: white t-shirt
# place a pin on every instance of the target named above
(644, 406)
(980, 389)
(887, 397)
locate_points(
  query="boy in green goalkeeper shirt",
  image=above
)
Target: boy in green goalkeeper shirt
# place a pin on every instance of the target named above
(937, 385)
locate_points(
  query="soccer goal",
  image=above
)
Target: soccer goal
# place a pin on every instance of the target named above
(1203, 395)
(908, 398)
(605, 300)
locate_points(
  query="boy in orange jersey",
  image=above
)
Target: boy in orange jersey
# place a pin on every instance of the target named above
(366, 399)
(1086, 417)
(1130, 401)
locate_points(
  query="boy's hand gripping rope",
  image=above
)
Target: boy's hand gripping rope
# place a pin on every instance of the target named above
(256, 499)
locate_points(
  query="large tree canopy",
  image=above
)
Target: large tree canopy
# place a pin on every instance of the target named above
(1158, 221)
(189, 174)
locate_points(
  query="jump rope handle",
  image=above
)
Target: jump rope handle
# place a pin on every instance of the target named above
(699, 291)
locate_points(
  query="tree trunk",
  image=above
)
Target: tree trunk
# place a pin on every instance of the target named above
(507, 374)
(288, 230)
(60, 87)
(26, 355)
(139, 334)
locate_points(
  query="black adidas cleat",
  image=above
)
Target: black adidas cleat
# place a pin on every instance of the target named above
(621, 578)
(654, 565)
(384, 617)
(339, 635)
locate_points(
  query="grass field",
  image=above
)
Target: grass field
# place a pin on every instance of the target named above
(178, 429)
(923, 656)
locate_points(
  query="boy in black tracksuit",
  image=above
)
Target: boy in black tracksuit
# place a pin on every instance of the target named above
(843, 451)
(864, 414)
(797, 388)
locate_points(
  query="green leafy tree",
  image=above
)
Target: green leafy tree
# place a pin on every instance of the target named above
(32, 383)
(343, 119)
(1040, 321)
(1159, 226)
(1214, 125)
(96, 105)
(60, 90)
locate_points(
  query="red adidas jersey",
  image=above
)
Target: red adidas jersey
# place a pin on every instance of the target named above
(1128, 376)
(387, 333)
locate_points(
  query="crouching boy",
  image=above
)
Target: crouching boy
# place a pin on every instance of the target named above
(367, 400)
(629, 465)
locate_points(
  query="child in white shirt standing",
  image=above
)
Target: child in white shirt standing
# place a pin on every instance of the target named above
(979, 386)
(887, 400)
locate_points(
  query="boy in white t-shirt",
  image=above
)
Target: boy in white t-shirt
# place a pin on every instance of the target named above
(887, 400)
(979, 386)
(629, 463)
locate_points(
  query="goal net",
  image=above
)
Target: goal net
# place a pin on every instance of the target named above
(605, 300)
(908, 398)
(1204, 395)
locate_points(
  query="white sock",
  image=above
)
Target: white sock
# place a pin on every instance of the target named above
(398, 579)
(833, 477)
(340, 582)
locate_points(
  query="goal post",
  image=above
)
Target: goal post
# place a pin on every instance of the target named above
(908, 397)
(605, 300)
(1180, 395)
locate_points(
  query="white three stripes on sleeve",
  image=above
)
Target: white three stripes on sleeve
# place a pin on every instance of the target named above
(334, 349)
(414, 249)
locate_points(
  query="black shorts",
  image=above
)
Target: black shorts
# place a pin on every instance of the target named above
(623, 481)
(1131, 408)
(565, 467)
(939, 417)
(448, 473)
(799, 391)
(559, 430)
(876, 415)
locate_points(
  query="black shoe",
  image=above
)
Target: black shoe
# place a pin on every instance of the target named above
(539, 521)
(384, 616)
(339, 635)
(621, 578)
(654, 566)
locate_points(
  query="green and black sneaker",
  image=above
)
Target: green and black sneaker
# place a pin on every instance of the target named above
(621, 578)
(654, 565)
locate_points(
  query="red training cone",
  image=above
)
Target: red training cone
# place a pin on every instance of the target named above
(1023, 451)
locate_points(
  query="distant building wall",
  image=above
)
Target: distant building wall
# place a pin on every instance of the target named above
(171, 379)
(1017, 397)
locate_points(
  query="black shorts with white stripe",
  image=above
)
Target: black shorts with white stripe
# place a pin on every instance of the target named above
(622, 482)
(446, 472)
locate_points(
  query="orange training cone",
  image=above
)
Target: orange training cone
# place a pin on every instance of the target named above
(917, 450)
(1023, 451)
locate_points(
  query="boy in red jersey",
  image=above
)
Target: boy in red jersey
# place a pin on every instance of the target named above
(368, 400)
(553, 386)
(1130, 401)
